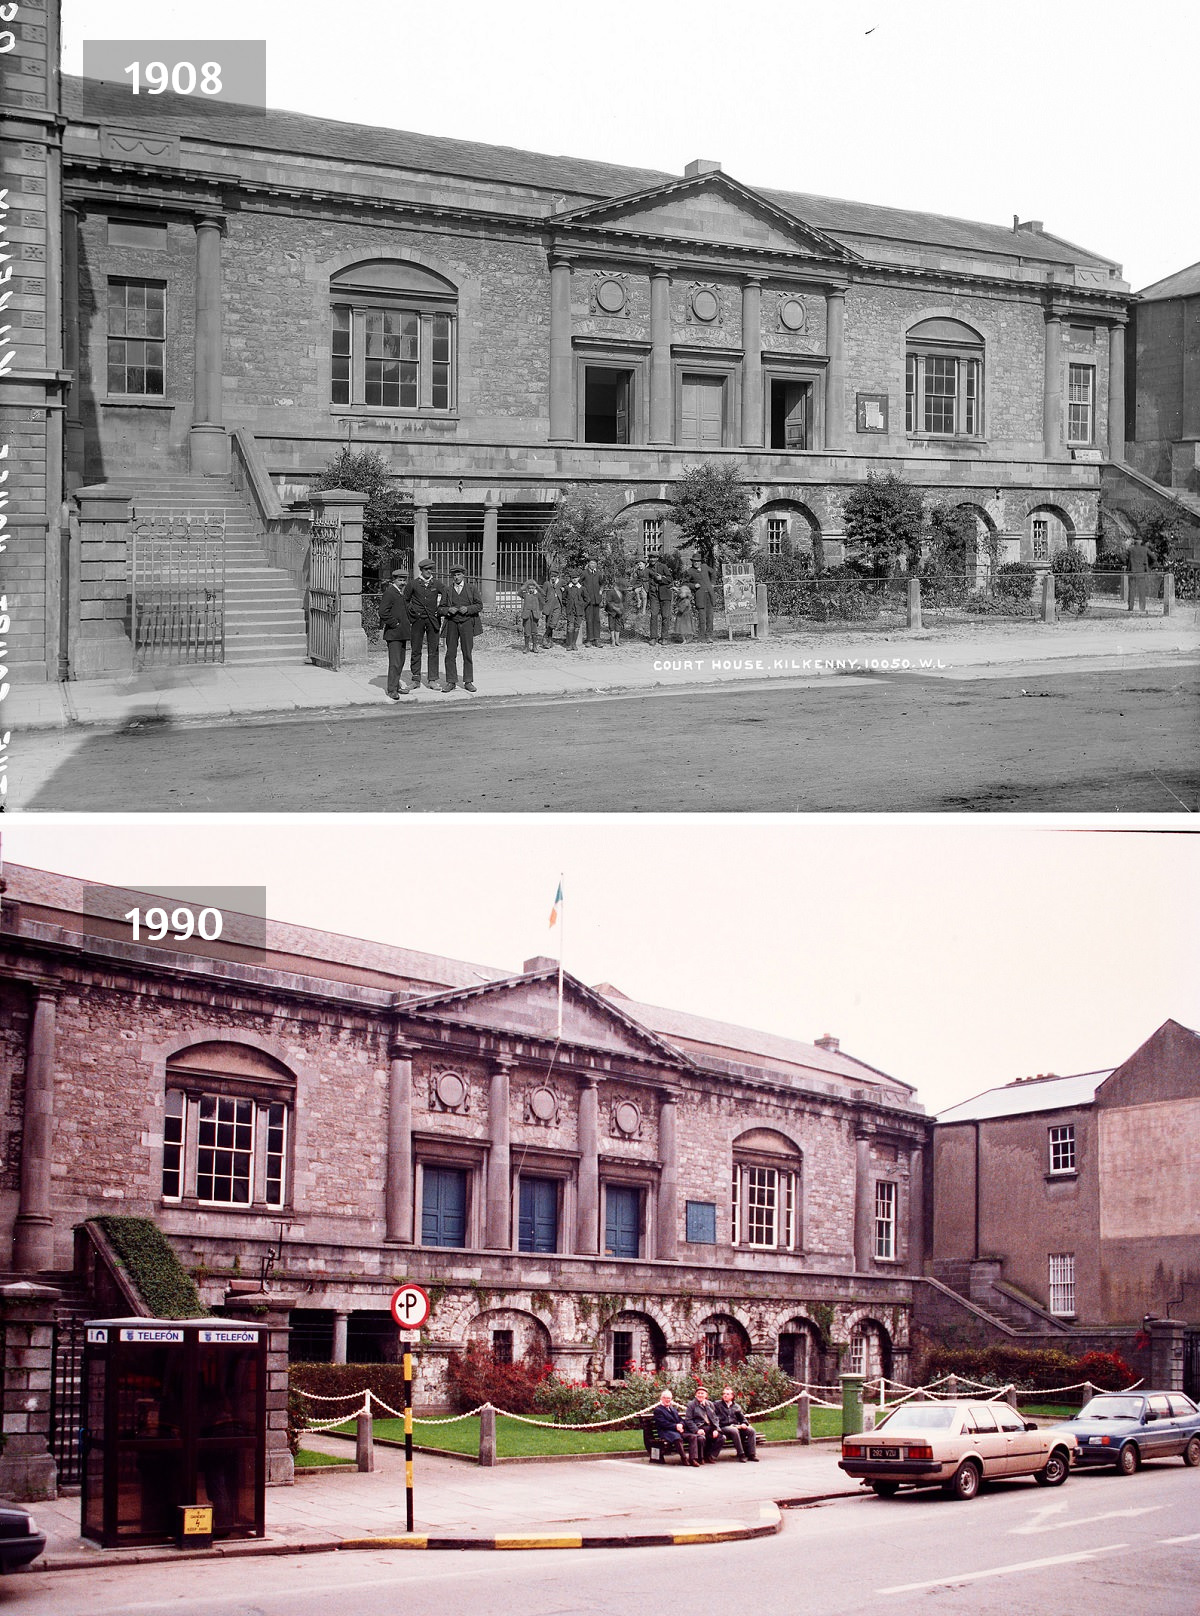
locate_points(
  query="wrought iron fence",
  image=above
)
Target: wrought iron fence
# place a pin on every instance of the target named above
(177, 589)
(66, 1399)
(324, 596)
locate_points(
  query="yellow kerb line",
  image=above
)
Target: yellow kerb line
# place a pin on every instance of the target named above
(539, 1542)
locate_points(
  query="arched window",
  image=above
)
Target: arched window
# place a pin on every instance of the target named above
(765, 1202)
(943, 393)
(227, 1127)
(393, 338)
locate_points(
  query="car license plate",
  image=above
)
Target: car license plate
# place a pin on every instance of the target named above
(883, 1453)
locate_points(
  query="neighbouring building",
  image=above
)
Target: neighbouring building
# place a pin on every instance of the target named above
(651, 1187)
(1162, 375)
(1076, 1200)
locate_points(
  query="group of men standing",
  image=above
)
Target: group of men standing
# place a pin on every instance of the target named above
(418, 612)
(703, 1428)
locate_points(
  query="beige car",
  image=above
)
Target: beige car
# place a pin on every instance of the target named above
(956, 1446)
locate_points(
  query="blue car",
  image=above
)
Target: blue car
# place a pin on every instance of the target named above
(1124, 1429)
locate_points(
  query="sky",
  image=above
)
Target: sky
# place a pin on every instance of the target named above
(1080, 116)
(954, 954)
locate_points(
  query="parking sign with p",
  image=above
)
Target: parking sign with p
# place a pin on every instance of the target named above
(410, 1307)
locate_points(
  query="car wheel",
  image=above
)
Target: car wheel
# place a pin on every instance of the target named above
(1191, 1454)
(965, 1481)
(1129, 1460)
(885, 1489)
(1055, 1470)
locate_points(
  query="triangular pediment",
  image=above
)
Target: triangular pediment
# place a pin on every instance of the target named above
(527, 1007)
(711, 210)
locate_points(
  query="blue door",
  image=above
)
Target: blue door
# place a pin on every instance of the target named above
(444, 1207)
(538, 1218)
(622, 1221)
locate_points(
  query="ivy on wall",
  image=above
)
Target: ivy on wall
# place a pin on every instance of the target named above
(145, 1253)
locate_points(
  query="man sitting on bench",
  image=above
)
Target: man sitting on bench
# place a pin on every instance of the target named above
(671, 1431)
(736, 1427)
(701, 1417)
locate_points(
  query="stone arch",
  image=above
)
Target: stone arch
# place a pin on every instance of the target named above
(800, 1350)
(868, 1347)
(719, 1339)
(523, 1336)
(633, 517)
(632, 1339)
(803, 528)
(1048, 529)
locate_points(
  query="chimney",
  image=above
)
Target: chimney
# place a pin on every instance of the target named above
(826, 1041)
(1032, 226)
(539, 962)
(701, 165)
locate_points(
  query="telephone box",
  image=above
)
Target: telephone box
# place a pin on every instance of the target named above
(174, 1417)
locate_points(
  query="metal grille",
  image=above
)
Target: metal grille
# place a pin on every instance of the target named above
(519, 557)
(456, 539)
(324, 599)
(66, 1400)
(177, 589)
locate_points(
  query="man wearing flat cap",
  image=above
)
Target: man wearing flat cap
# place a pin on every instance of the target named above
(422, 598)
(461, 605)
(397, 631)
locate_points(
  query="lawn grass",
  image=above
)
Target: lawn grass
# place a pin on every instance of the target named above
(515, 1439)
(309, 1459)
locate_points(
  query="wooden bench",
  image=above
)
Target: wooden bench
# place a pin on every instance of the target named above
(654, 1443)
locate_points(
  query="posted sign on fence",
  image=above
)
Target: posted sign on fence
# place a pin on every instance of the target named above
(741, 604)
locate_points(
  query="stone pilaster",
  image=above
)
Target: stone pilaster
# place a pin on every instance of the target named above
(662, 403)
(270, 1311)
(399, 1192)
(864, 1210)
(916, 1211)
(562, 360)
(587, 1224)
(1116, 392)
(421, 531)
(27, 1468)
(341, 1337)
(498, 1234)
(1052, 403)
(752, 395)
(491, 549)
(208, 443)
(33, 1231)
(835, 374)
(667, 1221)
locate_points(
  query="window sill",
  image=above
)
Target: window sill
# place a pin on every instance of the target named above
(257, 1209)
(381, 412)
(1054, 1178)
(923, 439)
(134, 402)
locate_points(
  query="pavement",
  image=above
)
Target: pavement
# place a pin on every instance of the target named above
(614, 1501)
(206, 695)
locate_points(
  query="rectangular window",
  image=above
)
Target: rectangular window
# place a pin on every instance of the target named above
(276, 1145)
(885, 1221)
(393, 358)
(172, 1186)
(971, 399)
(702, 1223)
(941, 393)
(502, 1346)
(537, 1220)
(777, 532)
(652, 536)
(857, 1362)
(622, 1353)
(1081, 390)
(1041, 539)
(137, 331)
(343, 336)
(225, 1150)
(1062, 1284)
(764, 1207)
(1062, 1149)
(444, 1206)
(761, 1189)
(910, 394)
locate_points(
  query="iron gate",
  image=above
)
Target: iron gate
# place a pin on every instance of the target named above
(1191, 1364)
(177, 589)
(66, 1400)
(325, 594)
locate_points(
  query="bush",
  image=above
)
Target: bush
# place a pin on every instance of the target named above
(844, 595)
(1028, 1369)
(941, 590)
(757, 1383)
(387, 515)
(1015, 580)
(476, 1376)
(1072, 580)
(787, 578)
(885, 522)
(385, 1381)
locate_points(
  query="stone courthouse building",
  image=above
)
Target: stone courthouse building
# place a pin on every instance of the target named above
(652, 1187)
(243, 295)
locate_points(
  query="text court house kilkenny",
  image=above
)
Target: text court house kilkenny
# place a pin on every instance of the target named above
(261, 290)
(655, 1186)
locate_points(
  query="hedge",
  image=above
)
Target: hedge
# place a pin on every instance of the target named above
(1027, 1369)
(385, 1381)
(145, 1253)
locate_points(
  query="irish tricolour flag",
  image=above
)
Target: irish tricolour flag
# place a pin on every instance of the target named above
(556, 912)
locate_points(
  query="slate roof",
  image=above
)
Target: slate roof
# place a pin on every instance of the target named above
(301, 133)
(1184, 283)
(1032, 1095)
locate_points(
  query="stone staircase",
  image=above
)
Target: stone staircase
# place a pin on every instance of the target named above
(264, 612)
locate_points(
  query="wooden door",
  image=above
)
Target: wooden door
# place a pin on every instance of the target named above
(703, 412)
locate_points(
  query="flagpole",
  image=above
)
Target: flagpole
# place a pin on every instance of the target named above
(561, 924)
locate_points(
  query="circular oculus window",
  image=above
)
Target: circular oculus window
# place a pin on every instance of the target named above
(610, 296)
(627, 1116)
(792, 314)
(704, 305)
(543, 1105)
(450, 1090)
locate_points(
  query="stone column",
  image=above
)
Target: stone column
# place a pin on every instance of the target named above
(98, 643)
(346, 505)
(835, 374)
(269, 1311)
(587, 1223)
(916, 1211)
(399, 1194)
(341, 1337)
(421, 532)
(1052, 388)
(74, 421)
(491, 549)
(667, 1222)
(662, 402)
(27, 1468)
(33, 1231)
(562, 361)
(1116, 392)
(752, 399)
(208, 444)
(864, 1211)
(498, 1235)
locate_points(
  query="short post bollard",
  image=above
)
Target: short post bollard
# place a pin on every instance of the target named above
(1089, 1391)
(1048, 597)
(951, 1385)
(364, 1447)
(487, 1435)
(1010, 1396)
(1168, 592)
(852, 1420)
(914, 603)
(868, 1417)
(762, 614)
(804, 1418)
